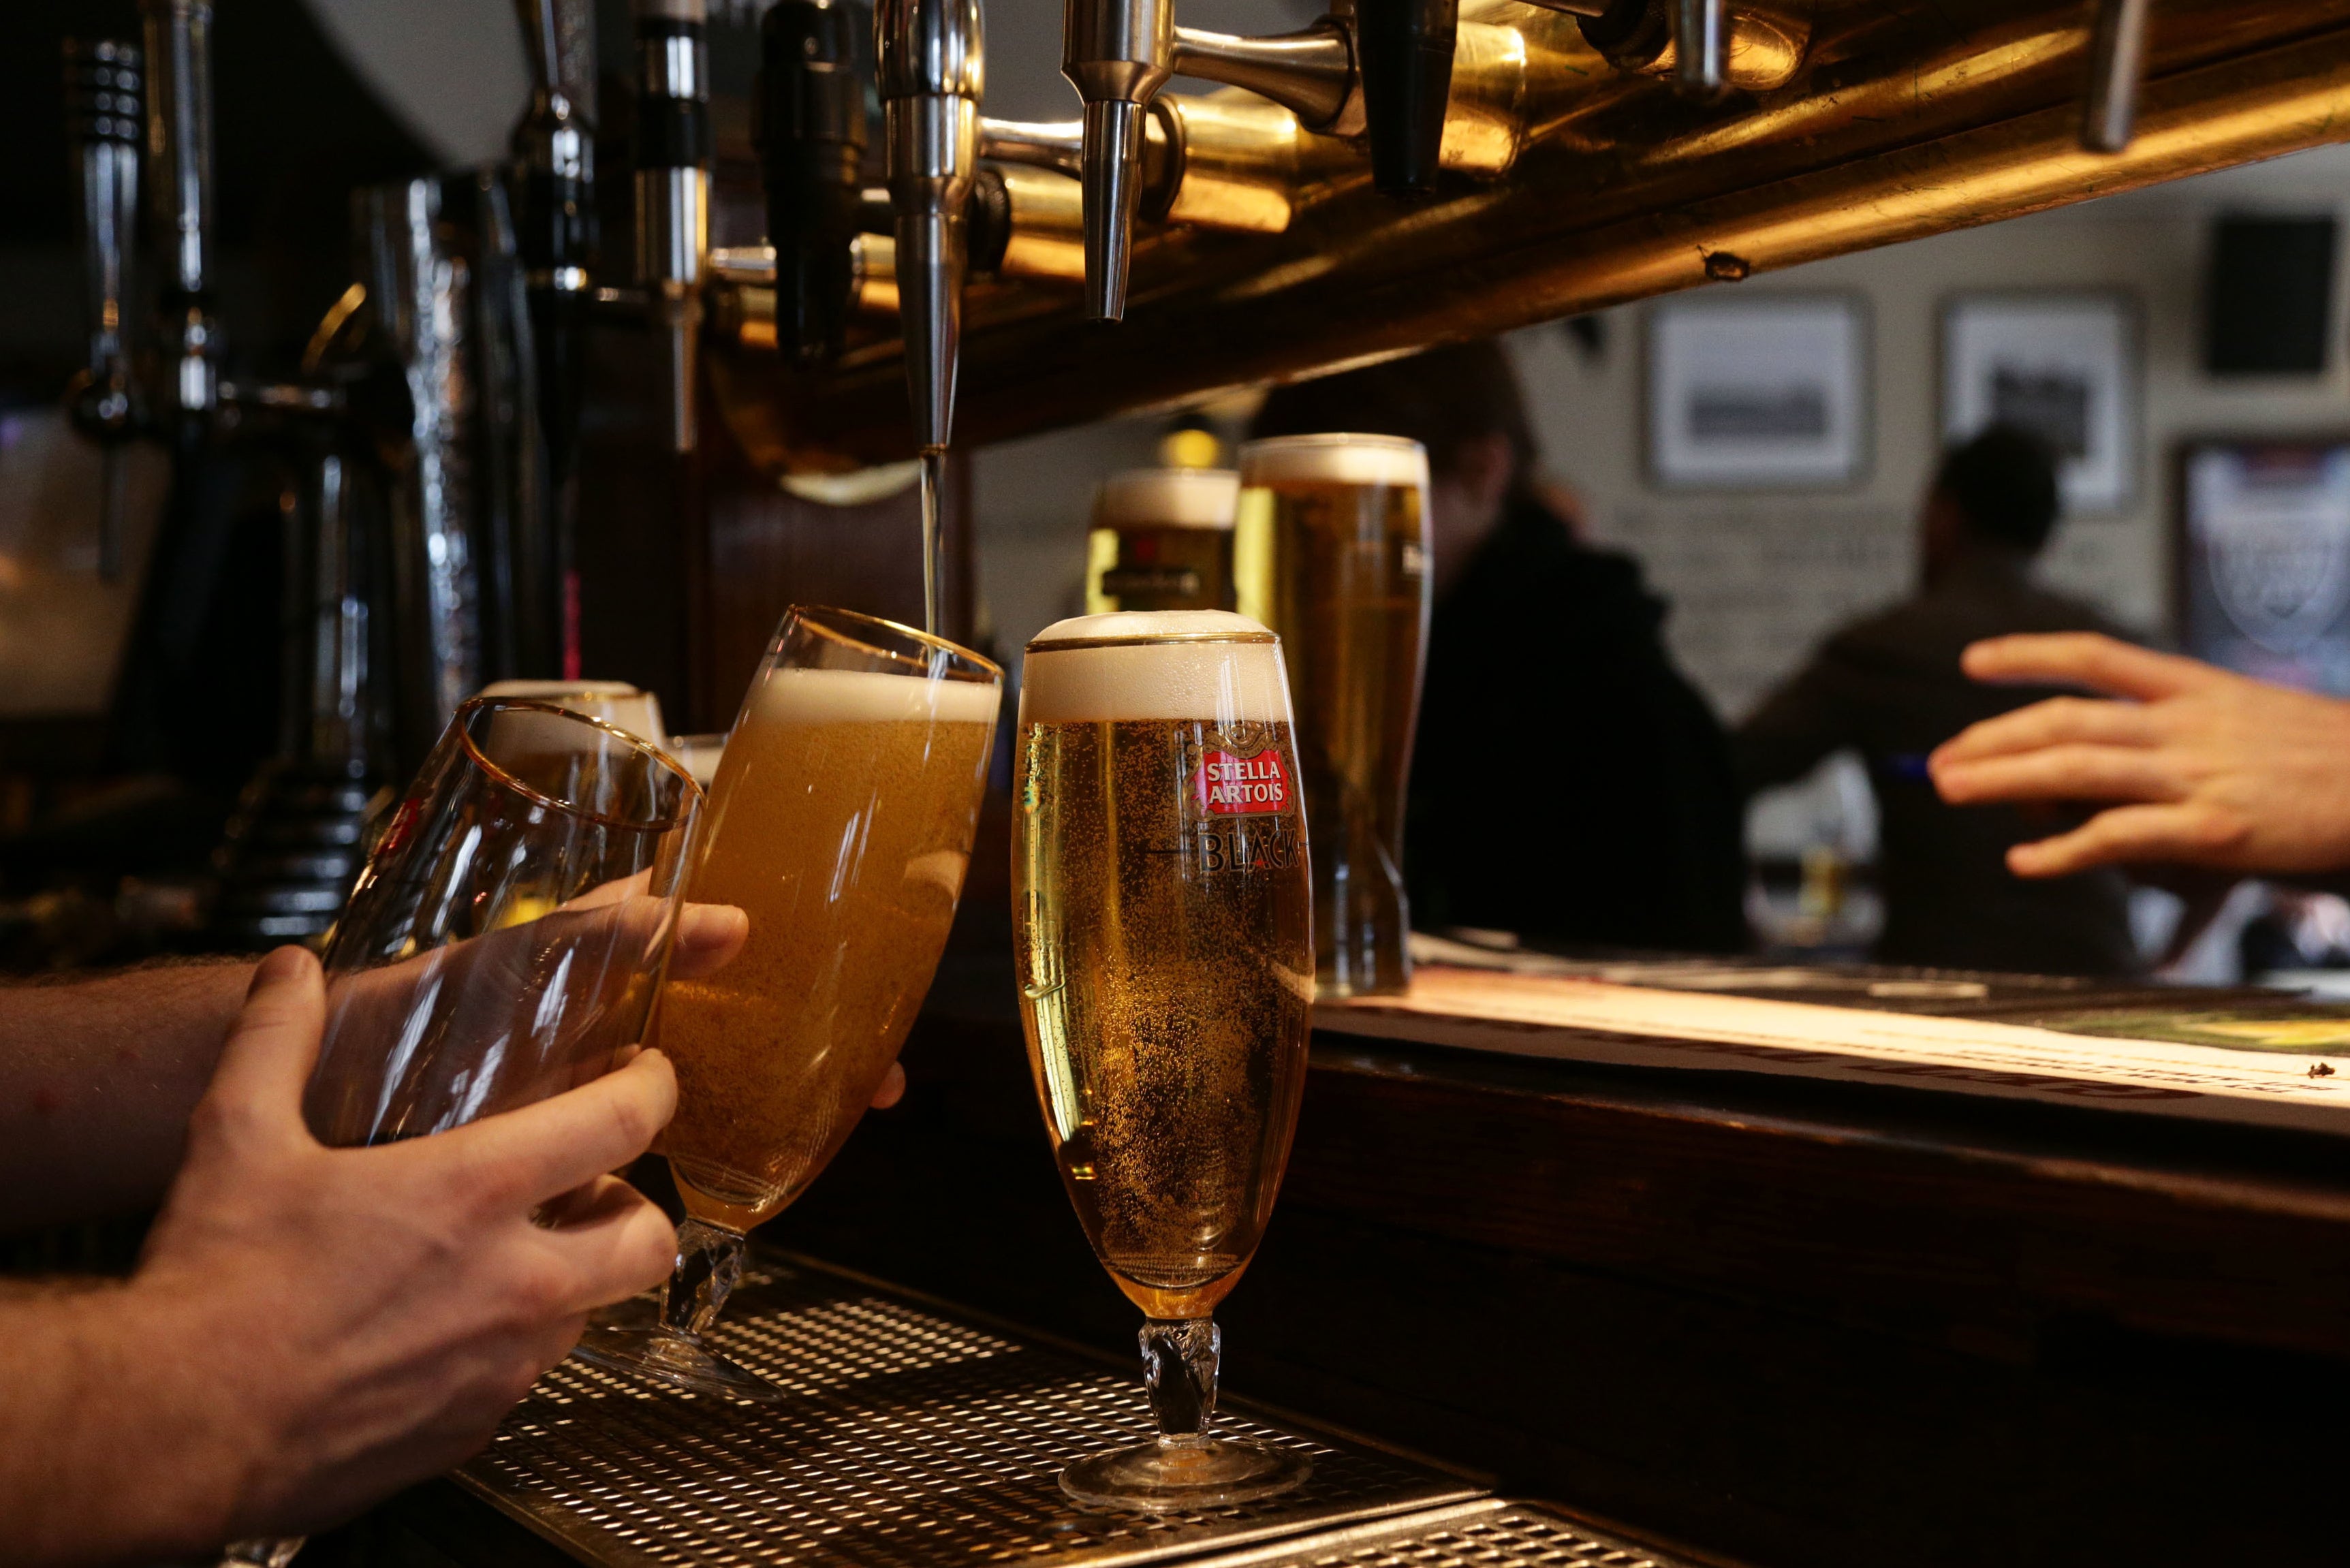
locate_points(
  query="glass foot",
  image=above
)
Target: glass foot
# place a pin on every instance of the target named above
(662, 1357)
(1174, 1475)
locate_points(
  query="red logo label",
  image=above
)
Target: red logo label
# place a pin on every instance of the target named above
(1227, 785)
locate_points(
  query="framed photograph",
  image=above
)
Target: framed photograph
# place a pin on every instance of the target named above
(2062, 365)
(2263, 554)
(1758, 391)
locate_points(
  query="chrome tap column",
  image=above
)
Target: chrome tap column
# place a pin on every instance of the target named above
(673, 179)
(930, 57)
(1117, 54)
(102, 96)
(180, 135)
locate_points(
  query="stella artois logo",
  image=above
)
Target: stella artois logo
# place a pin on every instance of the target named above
(1225, 783)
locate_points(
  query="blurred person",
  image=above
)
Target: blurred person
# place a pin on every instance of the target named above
(1568, 782)
(309, 1329)
(1890, 686)
(2190, 764)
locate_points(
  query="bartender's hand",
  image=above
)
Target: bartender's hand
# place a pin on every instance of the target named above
(2201, 766)
(312, 1328)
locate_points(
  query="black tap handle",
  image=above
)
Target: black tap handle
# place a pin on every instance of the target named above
(1404, 50)
(815, 64)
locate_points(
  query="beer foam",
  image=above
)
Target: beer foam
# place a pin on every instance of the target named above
(1335, 460)
(872, 697)
(1172, 497)
(1221, 682)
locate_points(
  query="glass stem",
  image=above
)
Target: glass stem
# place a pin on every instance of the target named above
(1178, 1367)
(708, 1264)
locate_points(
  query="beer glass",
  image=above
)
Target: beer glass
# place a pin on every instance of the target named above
(841, 822)
(507, 937)
(1164, 941)
(1331, 552)
(1163, 540)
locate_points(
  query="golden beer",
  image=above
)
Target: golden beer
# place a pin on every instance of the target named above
(841, 820)
(1163, 540)
(1163, 937)
(1333, 555)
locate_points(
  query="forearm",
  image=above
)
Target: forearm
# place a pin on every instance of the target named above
(112, 1450)
(97, 1080)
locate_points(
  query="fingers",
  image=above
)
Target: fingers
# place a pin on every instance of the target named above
(615, 1243)
(892, 1089)
(611, 892)
(2057, 721)
(524, 1158)
(709, 936)
(272, 1048)
(2191, 834)
(2085, 659)
(2058, 773)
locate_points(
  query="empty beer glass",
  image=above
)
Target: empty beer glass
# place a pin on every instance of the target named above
(508, 935)
(841, 821)
(1163, 937)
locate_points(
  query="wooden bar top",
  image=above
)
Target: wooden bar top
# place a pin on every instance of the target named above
(1786, 1321)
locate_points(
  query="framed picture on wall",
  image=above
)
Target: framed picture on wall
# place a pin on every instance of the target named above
(1758, 391)
(2263, 557)
(2063, 366)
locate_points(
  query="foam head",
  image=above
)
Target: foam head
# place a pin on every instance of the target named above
(1335, 460)
(614, 702)
(1205, 665)
(796, 696)
(1168, 498)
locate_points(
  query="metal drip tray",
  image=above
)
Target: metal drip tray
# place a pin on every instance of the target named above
(912, 1437)
(1488, 1533)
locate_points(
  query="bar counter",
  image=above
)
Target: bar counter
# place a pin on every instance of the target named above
(1763, 1319)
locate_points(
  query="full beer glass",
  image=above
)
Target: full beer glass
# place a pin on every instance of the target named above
(1332, 553)
(1163, 540)
(1163, 937)
(840, 822)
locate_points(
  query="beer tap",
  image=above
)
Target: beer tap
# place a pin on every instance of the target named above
(1706, 46)
(810, 130)
(102, 92)
(556, 148)
(673, 185)
(930, 61)
(180, 135)
(2116, 67)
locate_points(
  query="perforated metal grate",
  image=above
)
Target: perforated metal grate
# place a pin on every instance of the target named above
(1490, 1533)
(913, 1437)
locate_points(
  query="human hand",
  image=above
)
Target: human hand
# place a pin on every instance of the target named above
(351, 1321)
(2204, 767)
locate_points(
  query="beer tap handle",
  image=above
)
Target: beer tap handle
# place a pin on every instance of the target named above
(555, 235)
(1309, 73)
(180, 132)
(2116, 67)
(811, 133)
(928, 61)
(1404, 52)
(1700, 47)
(102, 96)
(672, 181)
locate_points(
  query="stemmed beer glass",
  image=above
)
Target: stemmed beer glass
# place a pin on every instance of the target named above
(841, 820)
(1162, 911)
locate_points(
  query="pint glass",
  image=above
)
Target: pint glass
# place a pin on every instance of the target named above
(840, 822)
(1333, 555)
(1163, 940)
(1163, 540)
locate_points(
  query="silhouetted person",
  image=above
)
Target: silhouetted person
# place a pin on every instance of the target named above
(1568, 783)
(1889, 685)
